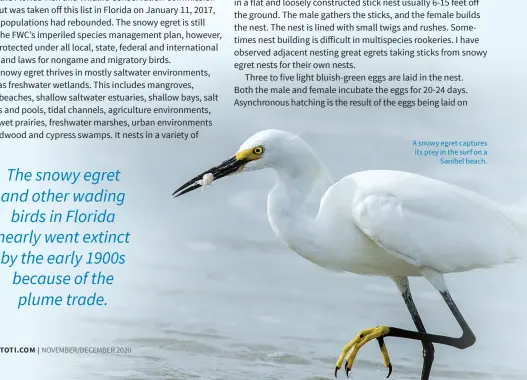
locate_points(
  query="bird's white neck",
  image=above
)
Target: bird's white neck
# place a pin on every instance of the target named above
(299, 184)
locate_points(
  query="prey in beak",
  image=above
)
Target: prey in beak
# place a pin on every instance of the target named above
(228, 167)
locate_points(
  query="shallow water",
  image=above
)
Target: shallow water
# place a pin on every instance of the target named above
(234, 314)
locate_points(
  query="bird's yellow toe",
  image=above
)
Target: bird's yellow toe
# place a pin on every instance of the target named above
(350, 350)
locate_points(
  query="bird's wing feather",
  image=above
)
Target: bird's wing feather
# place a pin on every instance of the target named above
(429, 223)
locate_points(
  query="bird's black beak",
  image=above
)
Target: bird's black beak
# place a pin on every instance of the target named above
(230, 166)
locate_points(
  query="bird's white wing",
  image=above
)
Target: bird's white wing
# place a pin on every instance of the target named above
(429, 223)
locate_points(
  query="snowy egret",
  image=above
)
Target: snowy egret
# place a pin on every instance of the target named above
(379, 222)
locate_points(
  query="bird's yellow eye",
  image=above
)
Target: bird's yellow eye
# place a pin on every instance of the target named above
(258, 150)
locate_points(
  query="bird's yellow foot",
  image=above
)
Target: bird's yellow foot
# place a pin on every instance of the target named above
(350, 351)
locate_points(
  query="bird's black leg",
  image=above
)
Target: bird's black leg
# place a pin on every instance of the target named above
(428, 347)
(466, 340)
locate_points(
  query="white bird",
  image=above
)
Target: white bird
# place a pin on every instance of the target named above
(379, 222)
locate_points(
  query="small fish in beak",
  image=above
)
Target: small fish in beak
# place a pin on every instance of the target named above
(226, 168)
(206, 180)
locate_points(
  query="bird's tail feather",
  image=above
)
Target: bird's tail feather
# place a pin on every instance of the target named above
(517, 217)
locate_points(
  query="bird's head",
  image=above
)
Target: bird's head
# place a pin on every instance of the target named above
(265, 149)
